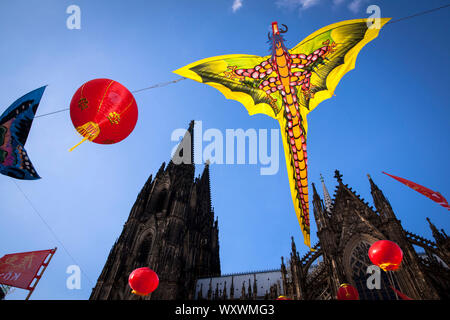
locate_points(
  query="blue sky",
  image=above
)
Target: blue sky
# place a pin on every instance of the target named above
(389, 114)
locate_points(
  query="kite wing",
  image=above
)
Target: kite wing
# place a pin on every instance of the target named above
(15, 124)
(238, 77)
(341, 42)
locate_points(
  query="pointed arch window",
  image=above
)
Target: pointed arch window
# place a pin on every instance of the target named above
(359, 261)
(143, 252)
(171, 204)
(161, 201)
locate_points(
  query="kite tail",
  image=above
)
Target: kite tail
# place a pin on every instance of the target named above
(294, 144)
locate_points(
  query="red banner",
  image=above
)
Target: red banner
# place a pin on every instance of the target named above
(400, 294)
(433, 195)
(19, 269)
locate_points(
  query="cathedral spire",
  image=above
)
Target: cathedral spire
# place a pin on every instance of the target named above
(283, 267)
(161, 169)
(185, 150)
(326, 195)
(191, 132)
(205, 175)
(294, 253)
(224, 292)
(381, 203)
(146, 188)
(206, 182)
(255, 287)
(373, 186)
(440, 238)
(319, 213)
(338, 176)
(232, 288)
(203, 189)
(210, 289)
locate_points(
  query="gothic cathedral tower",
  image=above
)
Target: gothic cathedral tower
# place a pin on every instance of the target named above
(346, 229)
(171, 229)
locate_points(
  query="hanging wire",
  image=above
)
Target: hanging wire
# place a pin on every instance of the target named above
(418, 14)
(51, 231)
(158, 85)
(47, 114)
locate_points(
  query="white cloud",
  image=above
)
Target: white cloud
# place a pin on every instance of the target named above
(355, 5)
(303, 4)
(237, 4)
(309, 3)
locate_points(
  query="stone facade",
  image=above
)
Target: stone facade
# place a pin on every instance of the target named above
(257, 285)
(171, 229)
(345, 235)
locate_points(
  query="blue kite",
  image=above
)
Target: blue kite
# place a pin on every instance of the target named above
(15, 124)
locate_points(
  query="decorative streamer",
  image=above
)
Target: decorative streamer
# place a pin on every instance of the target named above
(433, 195)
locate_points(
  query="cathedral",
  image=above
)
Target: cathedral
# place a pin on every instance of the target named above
(347, 227)
(171, 229)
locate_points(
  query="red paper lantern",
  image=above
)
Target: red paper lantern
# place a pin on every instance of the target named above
(386, 254)
(143, 281)
(103, 111)
(347, 292)
(283, 298)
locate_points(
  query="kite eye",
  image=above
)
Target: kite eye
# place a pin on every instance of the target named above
(285, 29)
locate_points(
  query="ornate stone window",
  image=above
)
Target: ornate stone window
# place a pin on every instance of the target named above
(161, 201)
(144, 250)
(358, 263)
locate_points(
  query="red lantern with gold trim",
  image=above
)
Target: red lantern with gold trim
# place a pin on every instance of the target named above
(347, 292)
(283, 298)
(143, 281)
(103, 111)
(386, 254)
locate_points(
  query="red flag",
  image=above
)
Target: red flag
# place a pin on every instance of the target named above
(401, 295)
(433, 195)
(20, 269)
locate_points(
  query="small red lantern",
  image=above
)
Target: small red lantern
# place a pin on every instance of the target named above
(386, 254)
(283, 298)
(347, 292)
(143, 281)
(103, 111)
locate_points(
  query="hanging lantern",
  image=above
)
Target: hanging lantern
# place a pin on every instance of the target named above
(143, 281)
(103, 111)
(283, 298)
(347, 292)
(386, 254)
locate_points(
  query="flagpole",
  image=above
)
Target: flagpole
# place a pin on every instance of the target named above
(38, 277)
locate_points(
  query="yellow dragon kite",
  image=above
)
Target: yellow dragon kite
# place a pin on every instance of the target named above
(287, 85)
